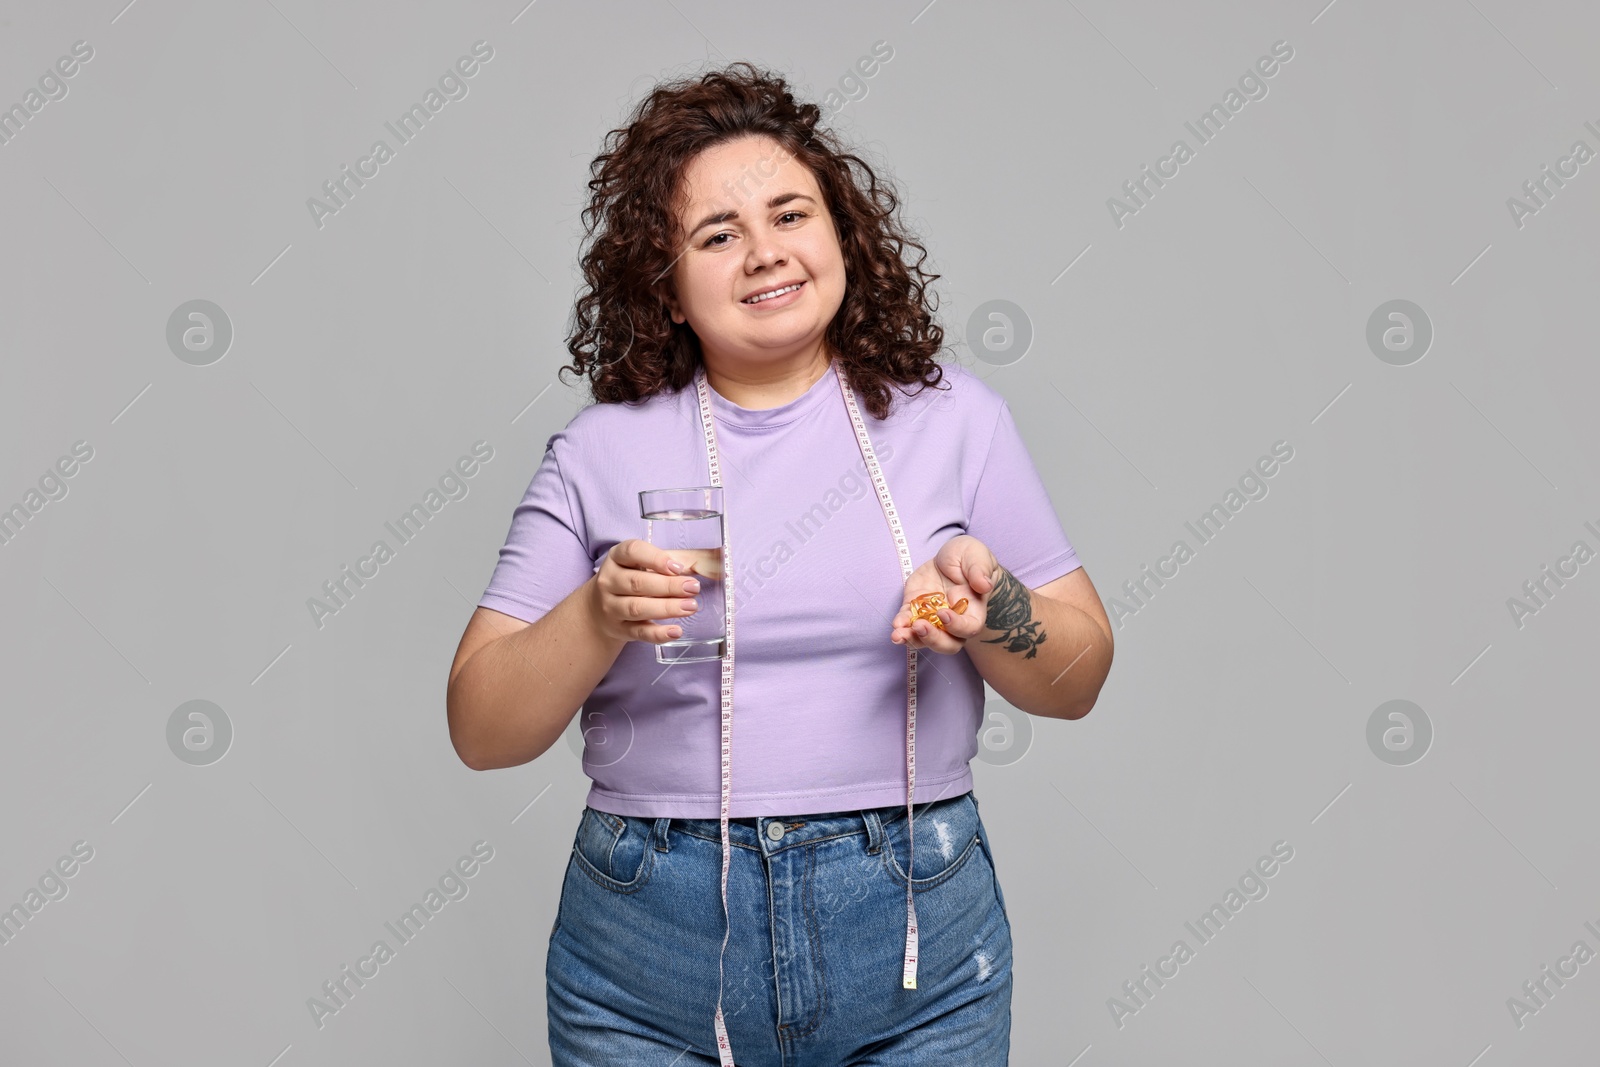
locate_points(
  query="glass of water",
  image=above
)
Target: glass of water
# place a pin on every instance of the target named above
(687, 524)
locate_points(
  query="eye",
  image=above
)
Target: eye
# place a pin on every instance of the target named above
(712, 242)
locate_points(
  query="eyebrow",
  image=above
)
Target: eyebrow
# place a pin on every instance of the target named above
(717, 217)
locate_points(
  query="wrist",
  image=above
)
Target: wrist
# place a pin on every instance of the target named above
(595, 617)
(1006, 605)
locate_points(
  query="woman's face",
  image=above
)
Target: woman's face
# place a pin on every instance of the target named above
(754, 219)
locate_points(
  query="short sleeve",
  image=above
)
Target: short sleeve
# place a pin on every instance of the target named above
(545, 555)
(1012, 512)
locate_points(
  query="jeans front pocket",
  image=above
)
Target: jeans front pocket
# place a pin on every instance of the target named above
(946, 835)
(613, 850)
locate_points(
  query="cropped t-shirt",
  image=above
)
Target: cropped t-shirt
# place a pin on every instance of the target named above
(819, 690)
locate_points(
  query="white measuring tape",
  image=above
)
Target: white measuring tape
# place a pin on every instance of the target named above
(908, 974)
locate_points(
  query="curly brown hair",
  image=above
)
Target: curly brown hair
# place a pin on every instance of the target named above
(623, 338)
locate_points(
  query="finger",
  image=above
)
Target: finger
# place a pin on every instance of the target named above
(708, 564)
(962, 626)
(644, 608)
(639, 554)
(627, 582)
(653, 633)
(962, 576)
(934, 638)
(910, 640)
(978, 577)
(647, 584)
(951, 567)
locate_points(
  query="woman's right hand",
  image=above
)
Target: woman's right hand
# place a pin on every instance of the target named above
(638, 582)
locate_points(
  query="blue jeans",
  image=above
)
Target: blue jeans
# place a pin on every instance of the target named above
(812, 971)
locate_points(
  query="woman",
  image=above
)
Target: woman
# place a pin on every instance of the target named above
(829, 896)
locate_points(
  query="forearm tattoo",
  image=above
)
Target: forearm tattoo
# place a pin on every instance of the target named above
(1011, 615)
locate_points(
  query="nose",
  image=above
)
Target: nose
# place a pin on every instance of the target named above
(766, 252)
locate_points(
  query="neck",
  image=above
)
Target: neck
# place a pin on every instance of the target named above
(761, 386)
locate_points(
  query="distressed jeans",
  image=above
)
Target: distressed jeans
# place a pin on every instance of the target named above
(817, 904)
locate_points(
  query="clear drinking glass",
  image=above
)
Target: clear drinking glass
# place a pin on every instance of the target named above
(687, 524)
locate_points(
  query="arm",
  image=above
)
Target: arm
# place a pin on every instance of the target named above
(515, 686)
(1047, 651)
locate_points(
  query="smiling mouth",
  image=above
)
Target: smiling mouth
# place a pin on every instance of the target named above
(764, 297)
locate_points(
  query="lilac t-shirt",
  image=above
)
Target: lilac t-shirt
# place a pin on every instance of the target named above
(819, 690)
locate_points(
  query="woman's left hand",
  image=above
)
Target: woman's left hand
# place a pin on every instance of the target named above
(964, 567)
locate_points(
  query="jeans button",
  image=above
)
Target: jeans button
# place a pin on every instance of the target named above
(775, 831)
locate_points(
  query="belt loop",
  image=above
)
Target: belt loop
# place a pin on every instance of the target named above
(874, 831)
(663, 844)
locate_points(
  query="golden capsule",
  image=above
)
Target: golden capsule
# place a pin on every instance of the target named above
(926, 607)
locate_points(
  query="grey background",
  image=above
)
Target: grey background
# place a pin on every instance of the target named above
(1229, 313)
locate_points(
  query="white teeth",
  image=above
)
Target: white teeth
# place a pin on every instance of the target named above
(769, 296)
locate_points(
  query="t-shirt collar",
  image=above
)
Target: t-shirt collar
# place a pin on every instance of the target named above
(729, 413)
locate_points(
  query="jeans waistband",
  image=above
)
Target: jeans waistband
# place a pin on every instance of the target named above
(755, 831)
